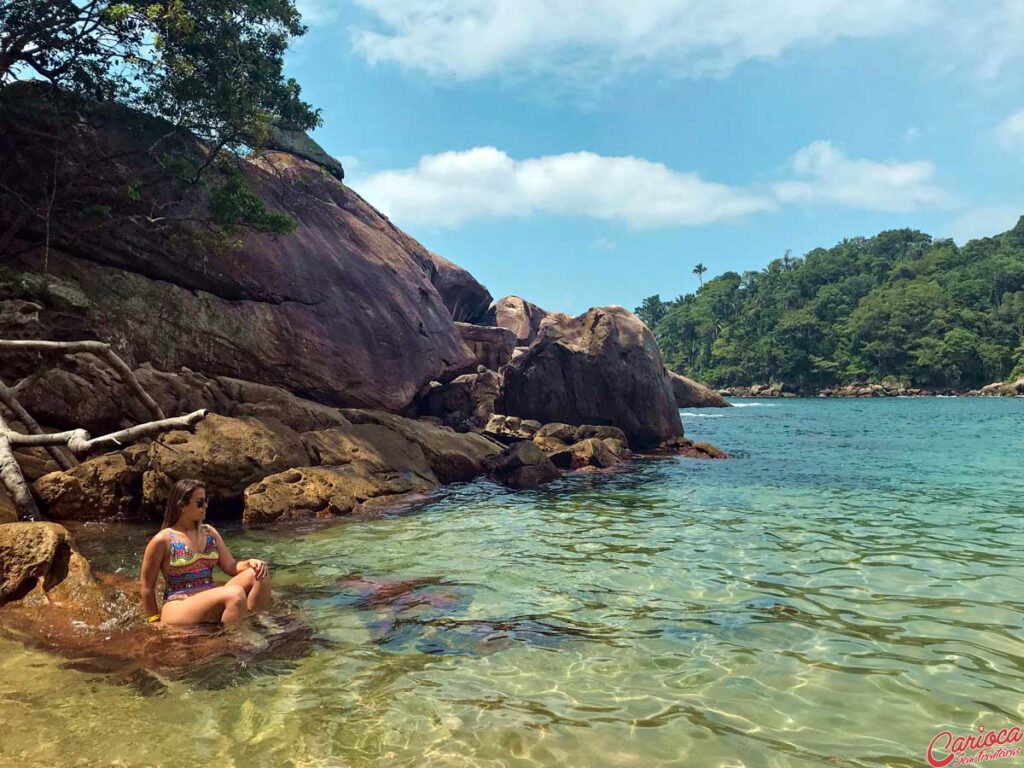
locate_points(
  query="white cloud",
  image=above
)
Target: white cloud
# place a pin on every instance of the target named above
(317, 12)
(984, 221)
(825, 175)
(1010, 132)
(452, 188)
(603, 244)
(467, 39)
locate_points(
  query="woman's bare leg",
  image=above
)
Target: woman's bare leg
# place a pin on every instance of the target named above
(226, 604)
(257, 590)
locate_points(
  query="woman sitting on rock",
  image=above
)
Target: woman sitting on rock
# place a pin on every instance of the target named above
(186, 550)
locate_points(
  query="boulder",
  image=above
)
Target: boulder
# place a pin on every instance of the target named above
(342, 310)
(83, 391)
(300, 144)
(40, 565)
(465, 403)
(564, 432)
(492, 346)
(307, 492)
(692, 394)
(602, 367)
(102, 488)
(509, 429)
(225, 454)
(685, 447)
(589, 452)
(452, 456)
(381, 449)
(519, 316)
(522, 465)
(466, 299)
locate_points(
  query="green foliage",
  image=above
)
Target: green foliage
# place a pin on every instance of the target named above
(233, 204)
(899, 306)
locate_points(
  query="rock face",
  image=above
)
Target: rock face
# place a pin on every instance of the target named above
(492, 346)
(692, 394)
(467, 300)
(602, 367)
(343, 310)
(452, 456)
(325, 492)
(519, 316)
(299, 143)
(466, 402)
(40, 565)
(522, 465)
(225, 454)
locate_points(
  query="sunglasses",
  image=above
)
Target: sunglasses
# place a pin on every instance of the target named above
(201, 503)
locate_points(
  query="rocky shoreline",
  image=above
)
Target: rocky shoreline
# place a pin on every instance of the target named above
(997, 389)
(340, 370)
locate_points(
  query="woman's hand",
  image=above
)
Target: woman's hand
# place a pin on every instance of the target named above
(258, 566)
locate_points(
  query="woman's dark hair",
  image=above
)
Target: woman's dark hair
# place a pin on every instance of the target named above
(181, 494)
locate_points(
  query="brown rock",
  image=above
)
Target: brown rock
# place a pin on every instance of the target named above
(522, 465)
(342, 310)
(380, 448)
(691, 394)
(225, 454)
(564, 432)
(589, 452)
(307, 492)
(492, 346)
(603, 367)
(39, 565)
(452, 456)
(102, 488)
(519, 316)
(686, 447)
(465, 403)
(549, 444)
(466, 299)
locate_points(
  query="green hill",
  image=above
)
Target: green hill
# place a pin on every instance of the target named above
(898, 306)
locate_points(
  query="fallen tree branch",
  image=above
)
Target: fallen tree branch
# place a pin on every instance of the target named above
(98, 348)
(80, 443)
(13, 481)
(8, 398)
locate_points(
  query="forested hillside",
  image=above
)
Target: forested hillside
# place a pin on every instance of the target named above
(898, 306)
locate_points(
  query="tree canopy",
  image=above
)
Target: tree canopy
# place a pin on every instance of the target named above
(900, 306)
(212, 69)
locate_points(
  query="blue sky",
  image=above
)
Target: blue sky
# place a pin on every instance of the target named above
(589, 152)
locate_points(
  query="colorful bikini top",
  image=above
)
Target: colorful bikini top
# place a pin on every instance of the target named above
(190, 572)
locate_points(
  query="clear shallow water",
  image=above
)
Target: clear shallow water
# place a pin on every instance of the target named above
(847, 587)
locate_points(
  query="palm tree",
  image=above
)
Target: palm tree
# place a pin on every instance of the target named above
(699, 271)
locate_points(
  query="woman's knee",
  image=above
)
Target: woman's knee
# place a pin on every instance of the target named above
(234, 594)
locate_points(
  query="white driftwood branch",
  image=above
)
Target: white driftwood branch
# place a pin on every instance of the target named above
(13, 481)
(79, 441)
(8, 398)
(98, 348)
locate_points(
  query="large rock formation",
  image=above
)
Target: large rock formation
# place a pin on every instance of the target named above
(602, 367)
(467, 300)
(491, 346)
(692, 394)
(343, 310)
(519, 316)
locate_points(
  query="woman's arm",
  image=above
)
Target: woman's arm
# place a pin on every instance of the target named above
(229, 565)
(151, 561)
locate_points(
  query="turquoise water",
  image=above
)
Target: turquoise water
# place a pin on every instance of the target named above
(844, 589)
